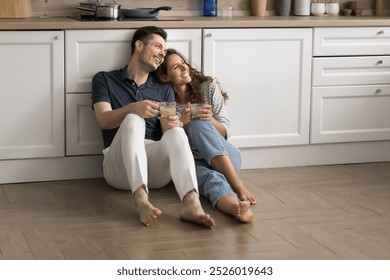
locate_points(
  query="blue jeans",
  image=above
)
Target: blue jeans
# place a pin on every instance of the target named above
(210, 143)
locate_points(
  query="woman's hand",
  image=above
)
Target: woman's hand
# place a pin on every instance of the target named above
(186, 114)
(205, 113)
(169, 122)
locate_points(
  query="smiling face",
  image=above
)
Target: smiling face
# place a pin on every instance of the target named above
(177, 71)
(152, 53)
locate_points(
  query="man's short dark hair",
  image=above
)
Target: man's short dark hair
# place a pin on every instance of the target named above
(144, 34)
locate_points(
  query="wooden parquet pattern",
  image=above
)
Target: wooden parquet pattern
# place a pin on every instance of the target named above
(319, 212)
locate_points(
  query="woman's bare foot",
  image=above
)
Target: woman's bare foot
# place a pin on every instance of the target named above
(243, 212)
(192, 211)
(146, 211)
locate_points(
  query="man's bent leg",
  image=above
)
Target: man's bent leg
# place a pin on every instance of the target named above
(125, 164)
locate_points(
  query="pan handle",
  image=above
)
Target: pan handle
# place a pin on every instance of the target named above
(86, 9)
(165, 8)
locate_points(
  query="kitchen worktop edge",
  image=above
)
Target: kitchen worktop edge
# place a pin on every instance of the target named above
(67, 23)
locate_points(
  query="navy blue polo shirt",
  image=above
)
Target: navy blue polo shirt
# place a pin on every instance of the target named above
(116, 88)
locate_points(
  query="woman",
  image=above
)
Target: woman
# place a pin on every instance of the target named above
(217, 161)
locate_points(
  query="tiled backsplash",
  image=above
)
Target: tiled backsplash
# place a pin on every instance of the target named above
(180, 7)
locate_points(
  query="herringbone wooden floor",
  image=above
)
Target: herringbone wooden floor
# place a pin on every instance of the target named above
(320, 212)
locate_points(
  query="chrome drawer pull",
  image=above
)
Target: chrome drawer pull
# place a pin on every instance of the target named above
(378, 91)
(381, 32)
(379, 62)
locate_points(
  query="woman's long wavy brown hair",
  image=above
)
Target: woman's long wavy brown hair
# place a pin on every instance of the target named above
(197, 78)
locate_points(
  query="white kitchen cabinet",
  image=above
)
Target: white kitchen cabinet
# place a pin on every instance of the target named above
(32, 94)
(351, 95)
(91, 51)
(267, 75)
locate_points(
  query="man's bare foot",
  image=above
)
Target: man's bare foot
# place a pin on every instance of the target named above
(243, 212)
(192, 211)
(146, 211)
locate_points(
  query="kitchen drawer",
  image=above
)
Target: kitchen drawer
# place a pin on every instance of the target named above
(365, 70)
(350, 114)
(91, 51)
(351, 41)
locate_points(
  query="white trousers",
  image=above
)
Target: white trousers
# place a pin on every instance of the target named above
(132, 161)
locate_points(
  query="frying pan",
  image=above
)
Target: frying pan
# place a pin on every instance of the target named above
(143, 12)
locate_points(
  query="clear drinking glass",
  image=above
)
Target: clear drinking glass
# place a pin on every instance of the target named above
(195, 108)
(227, 10)
(44, 14)
(167, 109)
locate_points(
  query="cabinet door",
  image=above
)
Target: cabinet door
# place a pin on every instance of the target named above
(83, 136)
(32, 94)
(351, 113)
(90, 51)
(267, 75)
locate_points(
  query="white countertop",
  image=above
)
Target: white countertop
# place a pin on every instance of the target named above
(63, 23)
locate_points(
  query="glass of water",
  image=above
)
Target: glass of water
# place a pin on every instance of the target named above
(44, 13)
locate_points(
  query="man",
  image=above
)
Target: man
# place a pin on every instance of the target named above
(141, 150)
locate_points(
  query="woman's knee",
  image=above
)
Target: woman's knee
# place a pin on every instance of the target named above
(198, 128)
(196, 125)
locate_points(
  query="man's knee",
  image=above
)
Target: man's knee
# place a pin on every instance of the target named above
(133, 122)
(175, 136)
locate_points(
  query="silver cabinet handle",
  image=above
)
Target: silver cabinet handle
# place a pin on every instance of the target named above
(379, 62)
(209, 35)
(381, 32)
(57, 37)
(378, 91)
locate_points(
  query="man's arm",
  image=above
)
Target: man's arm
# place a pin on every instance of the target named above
(109, 118)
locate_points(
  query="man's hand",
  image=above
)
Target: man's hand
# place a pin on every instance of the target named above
(146, 108)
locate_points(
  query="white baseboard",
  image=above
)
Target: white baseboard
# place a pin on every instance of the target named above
(82, 167)
(318, 154)
(50, 169)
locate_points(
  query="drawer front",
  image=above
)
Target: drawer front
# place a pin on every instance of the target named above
(351, 41)
(91, 51)
(350, 114)
(88, 52)
(366, 70)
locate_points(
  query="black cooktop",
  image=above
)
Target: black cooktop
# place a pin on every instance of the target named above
(86, 18)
